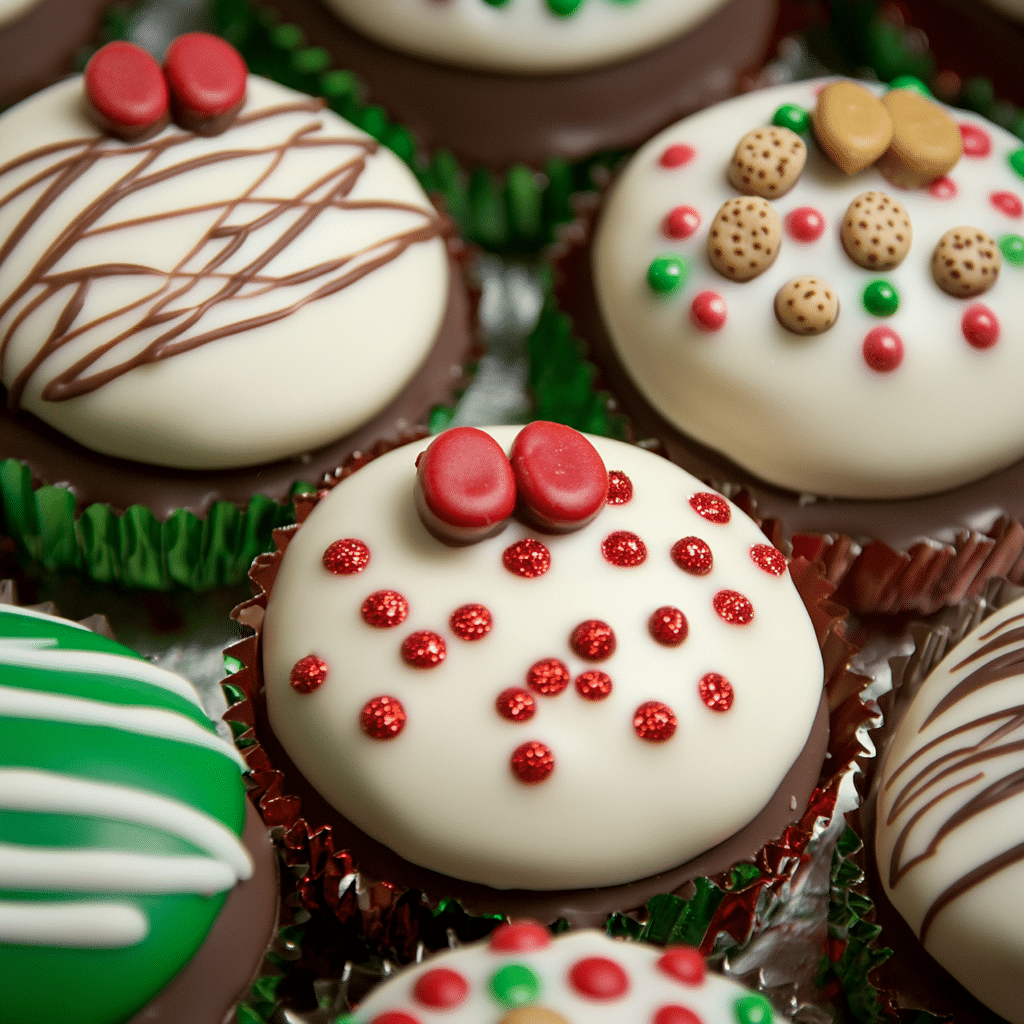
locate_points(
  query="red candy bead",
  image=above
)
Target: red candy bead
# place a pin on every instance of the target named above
(470, 622)
(308, 674)
(593, 640)
(598, 977)
(883, 349)
(684, 963)
(769, 559)
(515, 705)
(1008, 203)
(620, 488)
(346, 557)
(942, 188)
(207, 77)
(395, 1017)
(532, 762)
(980, 326)
(382, 718)
(677, 156)
(976, 140)
(424, 649)
(672, 1014)
(593, 685)
(680, 222)
(708, 312)
(693, 555)
(654, 722)
(624, 549)
(668, 626)
(384, 609)
(441, 989)
(713, 507)
(560, 478)
(548, 677)
(527, 558)
(716, 691)
(805, 224)
(522, 937)
(733, 607)
(125, 91)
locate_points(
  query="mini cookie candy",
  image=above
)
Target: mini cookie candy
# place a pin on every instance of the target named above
(744, 239)
(807, 305)
(851, 125)
(966, 262)
(926, 141)
(768, 162)
(523, 976)
(876, 232)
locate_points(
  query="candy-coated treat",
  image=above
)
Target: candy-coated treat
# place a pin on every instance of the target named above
(207, 79)
(926, 141)
(851, 125)
(126, 93)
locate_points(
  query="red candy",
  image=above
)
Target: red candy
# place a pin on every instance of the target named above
(672, 1014)
(470, 622)
(515, 705)
(733, 607)
(207, 77)
(424, 649)
(527, 558)
(668, 626)
(1008, 203)
(942, 188)
(883, 350)
(980, 326)
(624, 549)
(805, 224)
(441, 989)
(126, 93)
(708, 312)
(976, 141)
(395, 1017)
(680, 222)
(597, 977)
(308, 674)
(384, 609)
(548, 677)
(382, 718)
(532, 762)
(593, 640)
(560, 478)
(654, 722)
(716, 691)
(684, 963)
(620, 488)
(693, 556)
(523, 937)
(593, 685)
(768, 558)
(677, 156)
(713, 507)
(346, 557)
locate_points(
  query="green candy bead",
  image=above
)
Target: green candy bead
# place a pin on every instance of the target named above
(753, 1009)
(795, 118)
(910, 82)
(666, 274)
(1012, 248)
(881, 299)
(515, 985)
(1017, 161)
(564, 8)
(496, 3)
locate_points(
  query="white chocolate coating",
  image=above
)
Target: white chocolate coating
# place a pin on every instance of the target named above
(616, 808)
(524, 36)
(11, 10)
(324, 359)
(946, 797)
(1014, 8)
(808, 413)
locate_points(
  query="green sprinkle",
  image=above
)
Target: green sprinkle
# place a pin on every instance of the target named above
(753, 1009)
(515, 985)
(564, 8)
(881, 299)
(1017, 161)
(910, 82)
(666, 274)
(496, 3)
(1012, 248)
(793, 117)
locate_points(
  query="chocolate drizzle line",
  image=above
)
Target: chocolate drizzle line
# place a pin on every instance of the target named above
(168, 304)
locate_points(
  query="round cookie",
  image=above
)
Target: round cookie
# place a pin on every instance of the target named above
(545, 678)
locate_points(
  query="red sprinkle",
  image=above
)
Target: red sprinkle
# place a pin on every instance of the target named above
(768, 558)
(980, 326)
(708, 312)
(684, 963)
(424, 649)
(527, 558)
(716, 691)
(713, 507)
(515, 705)
(654, 722)
(677, 156)
(680, 222)
(471, 622)
(672, 1014)
(942, 188)
(883, 349)
(593, 640)
(620, 488)
(805, 224)
(976, 140)
(382, 718)
(522, 937)
(693, 555)
(532, 762)
(441, 989)
(733, 607)
(1008, 203)
(207, 77)
(395, 1017)
(668, 626)
(384, 609)
(126, 91)
(598, 977)
(624, 549)
(308, 674)
(548, 677)
(593, 685)
(346, 557)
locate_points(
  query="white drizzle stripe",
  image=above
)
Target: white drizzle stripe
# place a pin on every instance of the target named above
(29, 613)
(46, 869)
(25, 789)
(157, 722)
(91, 925)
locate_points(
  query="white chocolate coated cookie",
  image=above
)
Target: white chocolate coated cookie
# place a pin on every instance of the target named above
(525, 36)
(643, 754)
(213, 302)
(884, 404)
(13, 9)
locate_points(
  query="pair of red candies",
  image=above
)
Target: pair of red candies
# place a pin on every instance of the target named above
(201, 84)
(467, 488)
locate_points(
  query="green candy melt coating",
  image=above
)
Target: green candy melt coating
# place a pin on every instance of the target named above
(881, 298)
(753, 1009)
(666, 274)
(515, 985)
(795, 118)
(1012, 248)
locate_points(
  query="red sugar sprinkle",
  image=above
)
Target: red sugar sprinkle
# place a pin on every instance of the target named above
(620, 488)
(883, 349)
(515, 705)
(654, 722)
(684, 963)
(382, 718)
(713, 507)
(346, 557)
(598, 977)
(548, 677)
(532, 762)
(593, 685)
(424, 649)
(522, 937)
(677, 156)
(471, 622)
(1008, 203)
(672, 1014)
(716, 691)
(593, 640)
(942, 188)
(708, 312)
(976, 141)
(308, 674)
(441, 989)
(733, 607)
(680, 222)
(980, 326)
(693, 555)
(395, 1017)
(384, 609)
(768, 558)
(527, 558)
(668, 626)
(624, 549)
(805, 224)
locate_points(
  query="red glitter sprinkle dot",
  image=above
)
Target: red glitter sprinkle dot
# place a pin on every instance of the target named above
(470, 622)
(548, 677)
(768, 558)
(805, 224)
(693, 555)
(527, 558)
(593, 640)
(395, 1017)
(620, 488)
(597, 977)
(515, 705)
(716, 691)
(346, 557)
(680, 222)
(668, 626)
(672, 1014)
(980, 326)
(384, 609)
(424, 649)
(532, 762)
(624, 549)
(1008, 203)
(522, 937)
(654, 722)
(308, 674)
(976, 140)
(942, 188)
(382, 718)
(677, 156)
(593, 685)
(684, 963)
(441, 989)
(883, 349)
(708, 312)
(733, 607)
(713, 507)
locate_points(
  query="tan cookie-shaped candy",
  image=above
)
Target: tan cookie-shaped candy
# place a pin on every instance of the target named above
(851, 125)
(876, 231)
(767, 162)
(745, 238)
(926, 141)
(533, 1015)
(807, 305)
(966, 262)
